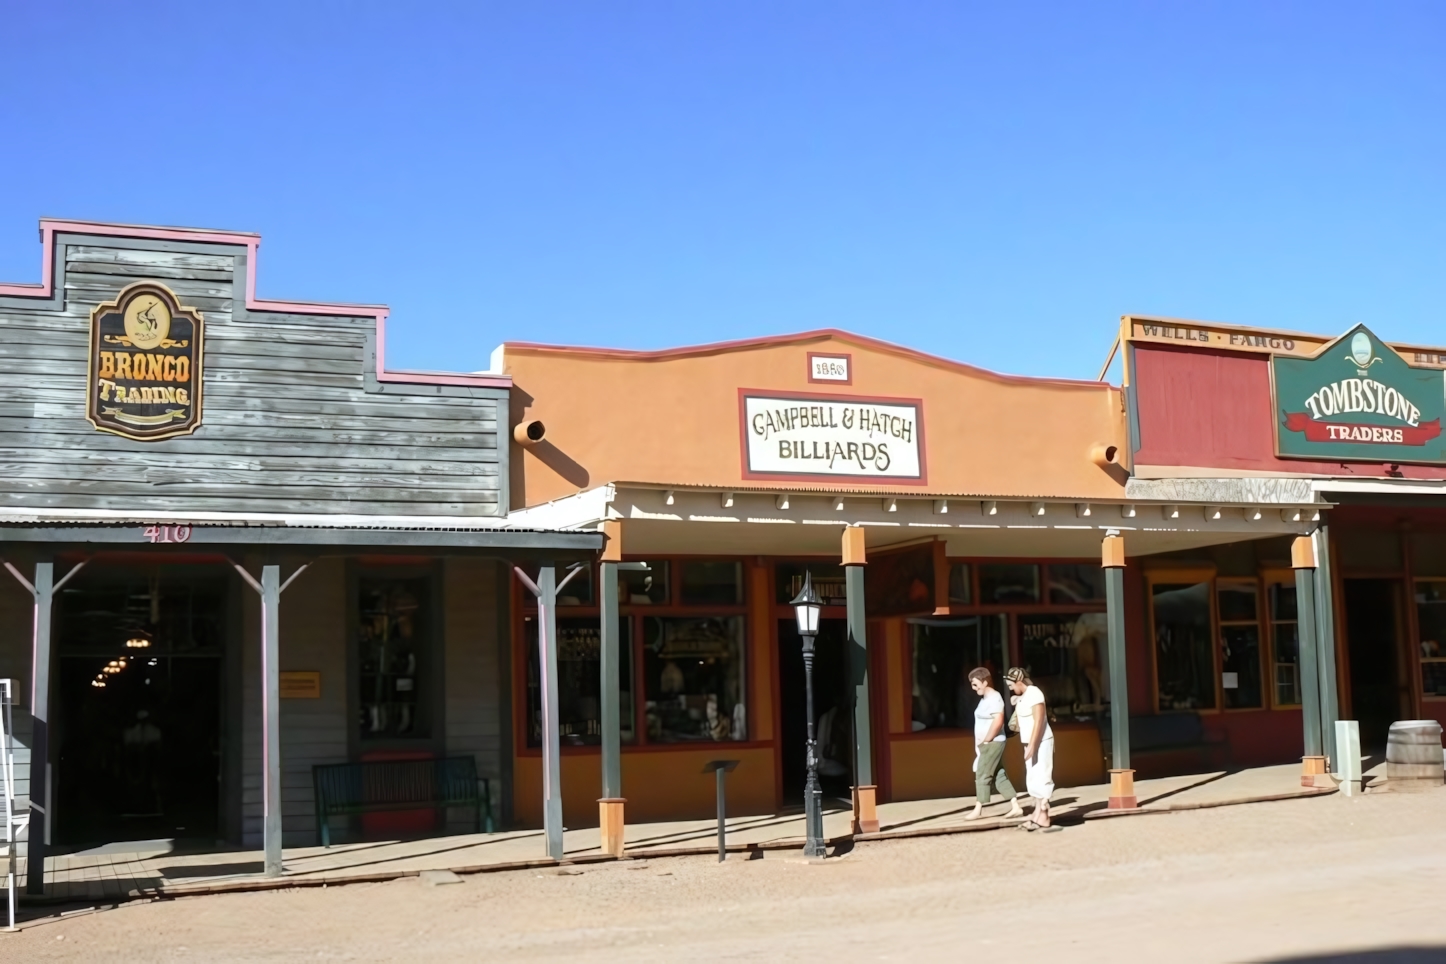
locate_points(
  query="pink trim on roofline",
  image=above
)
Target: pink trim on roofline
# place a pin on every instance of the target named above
(49, 227)
(798, 338)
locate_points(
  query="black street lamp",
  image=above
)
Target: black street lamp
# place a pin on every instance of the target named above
(806, 609)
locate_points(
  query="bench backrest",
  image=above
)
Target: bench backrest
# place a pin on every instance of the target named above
(392, 782)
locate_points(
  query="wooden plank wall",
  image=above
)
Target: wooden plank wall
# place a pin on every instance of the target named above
(313, 731)
(473, 685)
(290, 419)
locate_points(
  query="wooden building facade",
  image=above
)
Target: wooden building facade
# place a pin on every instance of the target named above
(171, 443)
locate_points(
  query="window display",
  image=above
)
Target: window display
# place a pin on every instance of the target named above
(1431, 623)
(1284, 644)
(712, 583)
(579, 680)
(1184, 661)
(945, 650)
(961, 585)
(1239, 644)
(828, 581)
(1008, 583)
(1065, 653)
(644, 587)
(693, 670)
(393, 647)
(1071, 583)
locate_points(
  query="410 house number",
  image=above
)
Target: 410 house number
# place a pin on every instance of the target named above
(168, 534)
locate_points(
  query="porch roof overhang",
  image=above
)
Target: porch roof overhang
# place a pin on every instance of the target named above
(223, 532)
(741, 521)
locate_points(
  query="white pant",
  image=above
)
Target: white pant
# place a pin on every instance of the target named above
(1039, 775)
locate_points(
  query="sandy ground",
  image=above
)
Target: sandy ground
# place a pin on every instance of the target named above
(1310, 878)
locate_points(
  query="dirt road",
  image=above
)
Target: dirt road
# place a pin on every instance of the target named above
(1251, 883)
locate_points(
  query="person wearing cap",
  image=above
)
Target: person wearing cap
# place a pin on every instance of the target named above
(989, 747)
(1038, 741)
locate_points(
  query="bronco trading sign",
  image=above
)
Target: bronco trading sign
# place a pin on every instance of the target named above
(145, 365)
(1357, 400)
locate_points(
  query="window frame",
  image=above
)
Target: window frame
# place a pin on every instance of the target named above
(1188, 575)
(1268, 578)
(524, 605)
(1419, 683)
(1263, 641)
(1013, 644)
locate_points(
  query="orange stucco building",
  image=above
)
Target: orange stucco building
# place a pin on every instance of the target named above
(730, 470)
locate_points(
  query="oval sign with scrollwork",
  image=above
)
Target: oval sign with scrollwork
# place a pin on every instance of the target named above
(145, 365)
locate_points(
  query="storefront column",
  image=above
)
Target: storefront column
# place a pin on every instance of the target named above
(37, 834)
(545, 589)
(866, 815)
(1325, 626)
(610, 806)
(270, 589)
(1122, 778)
(1302, 560)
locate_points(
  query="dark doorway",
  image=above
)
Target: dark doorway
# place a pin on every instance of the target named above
(832, 706)
(1372, 636)
(139, 706)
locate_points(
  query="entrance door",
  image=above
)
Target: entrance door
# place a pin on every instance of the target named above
(1373, 641)
(832, 706)
(139, 702)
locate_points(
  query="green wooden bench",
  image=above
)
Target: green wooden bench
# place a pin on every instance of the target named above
(349, 788)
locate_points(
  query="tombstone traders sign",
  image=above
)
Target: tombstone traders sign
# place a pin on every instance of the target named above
(1358, 400)
(837, 437)
(145, 365)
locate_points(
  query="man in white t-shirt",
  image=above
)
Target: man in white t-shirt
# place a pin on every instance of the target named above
(1038, 741)
(989, 747)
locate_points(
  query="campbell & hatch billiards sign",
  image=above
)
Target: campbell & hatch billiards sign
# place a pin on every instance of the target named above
(145, 364)
(1357, 400)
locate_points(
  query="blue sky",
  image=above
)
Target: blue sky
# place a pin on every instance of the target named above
(995, 183)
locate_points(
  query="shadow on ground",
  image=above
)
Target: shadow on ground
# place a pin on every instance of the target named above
(1384, 955)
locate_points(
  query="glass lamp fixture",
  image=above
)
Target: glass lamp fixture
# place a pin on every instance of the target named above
(807, 607)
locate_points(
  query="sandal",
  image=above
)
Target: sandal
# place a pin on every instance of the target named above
(1026, 825)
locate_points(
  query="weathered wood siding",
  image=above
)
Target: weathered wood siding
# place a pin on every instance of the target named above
(473, 679)
(293, 418)
(313, 731)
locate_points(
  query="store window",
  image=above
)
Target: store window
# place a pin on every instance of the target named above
(1071, 583)
(712, 583)
(945, 650)
(1284, 644)
(644, 587)
(579, 681)
(1001, 583)
(1184, 661)
(578, 591)
(393, 653)
(1065, 653)
(828, 581)
(961, 585)
(1239, 644)
(694, 680)
(1431, 623)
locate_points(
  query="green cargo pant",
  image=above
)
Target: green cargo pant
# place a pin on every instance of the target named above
(991, 772)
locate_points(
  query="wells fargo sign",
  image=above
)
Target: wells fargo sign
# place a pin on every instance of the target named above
(145, 365)
(1357, 399)
(831, 436)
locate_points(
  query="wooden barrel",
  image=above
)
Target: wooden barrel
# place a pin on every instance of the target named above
(1413, 753)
